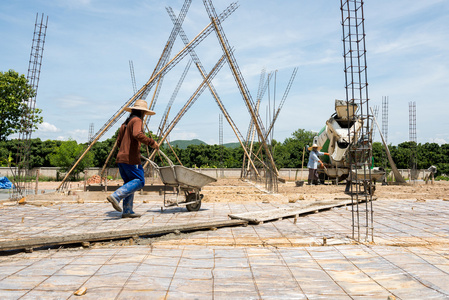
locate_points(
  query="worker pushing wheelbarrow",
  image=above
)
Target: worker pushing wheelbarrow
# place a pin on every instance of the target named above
(179, 179)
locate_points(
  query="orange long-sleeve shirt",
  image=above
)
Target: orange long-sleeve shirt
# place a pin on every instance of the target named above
(129, 141)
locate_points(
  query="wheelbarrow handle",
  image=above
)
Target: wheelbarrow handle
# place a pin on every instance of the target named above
(166, 157)
(154, 164)
(150, 161)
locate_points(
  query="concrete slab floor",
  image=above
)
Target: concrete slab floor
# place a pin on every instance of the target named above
(277, 260)
(331, 272)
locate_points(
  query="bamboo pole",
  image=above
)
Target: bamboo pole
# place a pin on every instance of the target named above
(37, 182)
(394, 169)
(173, 150)
(186, 105)
(245, 96)
(302, 164)
(108, 158)
(131, 100)
(252, 136)
(228, 118)
(145, 165)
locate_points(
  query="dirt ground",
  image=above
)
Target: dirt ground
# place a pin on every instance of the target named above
(232, 190)
(236, 190)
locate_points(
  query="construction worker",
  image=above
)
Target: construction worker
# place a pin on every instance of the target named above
(129, 140)
(312, 165)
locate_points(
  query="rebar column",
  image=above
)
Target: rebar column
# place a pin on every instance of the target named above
(22, 185)
(385, 133)
(360, 142)
(220, 143)
(413, 141)
(91, 132)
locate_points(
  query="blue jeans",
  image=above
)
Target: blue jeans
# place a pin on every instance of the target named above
(134, 179)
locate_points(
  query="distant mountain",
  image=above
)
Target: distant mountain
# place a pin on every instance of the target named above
(232, 145)
(182, 144)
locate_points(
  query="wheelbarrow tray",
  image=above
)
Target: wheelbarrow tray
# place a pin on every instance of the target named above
(179, 175)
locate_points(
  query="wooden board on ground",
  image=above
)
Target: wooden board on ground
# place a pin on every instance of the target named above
(257, 217)
(46, 241)
(112, 188)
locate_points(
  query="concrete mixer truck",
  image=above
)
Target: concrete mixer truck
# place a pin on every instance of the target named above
(334, 139)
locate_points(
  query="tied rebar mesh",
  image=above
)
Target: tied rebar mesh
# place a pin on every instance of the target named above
(413, 141)
(360, 141)
(385, 118)
(249, 141)
(220, 143)
(22, 172)
(148, 86)
(376, 114)
(246, 95)
(385, 132)
(91, 132)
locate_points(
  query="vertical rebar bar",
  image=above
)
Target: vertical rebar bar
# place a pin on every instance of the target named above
(360, 139)
(220, 143)
(133, 76)
(385, 100)
(413, 140)
(91, 132)
(22, 185)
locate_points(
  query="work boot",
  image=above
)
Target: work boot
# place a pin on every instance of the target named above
(316, 182)
(309, 182)
(128, 204)
(114, 203)
(131, 215)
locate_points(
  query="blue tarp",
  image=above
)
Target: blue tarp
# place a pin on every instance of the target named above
(5, 183)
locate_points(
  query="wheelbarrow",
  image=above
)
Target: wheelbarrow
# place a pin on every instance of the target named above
(180, 180)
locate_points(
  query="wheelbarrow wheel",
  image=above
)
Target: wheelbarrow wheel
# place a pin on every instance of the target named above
(194, 206)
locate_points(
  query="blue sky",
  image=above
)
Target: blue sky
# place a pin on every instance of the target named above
(85, 76)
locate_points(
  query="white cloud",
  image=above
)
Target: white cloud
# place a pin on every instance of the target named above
(438, 141)
(182, 135)
(79, 135)
(47, 127)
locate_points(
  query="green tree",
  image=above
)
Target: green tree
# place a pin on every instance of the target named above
(65, 155)
(443, 167)
(7, 150)
(15, 92)
(289, 155)
(101, 152)
(41, 151)
(378, 149)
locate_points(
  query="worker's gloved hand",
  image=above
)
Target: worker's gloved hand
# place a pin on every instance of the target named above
(155, 146)
(321, 164)
(325, 153)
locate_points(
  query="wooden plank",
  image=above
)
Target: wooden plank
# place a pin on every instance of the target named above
(115, 234)
(257, 217)
(111, 188)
